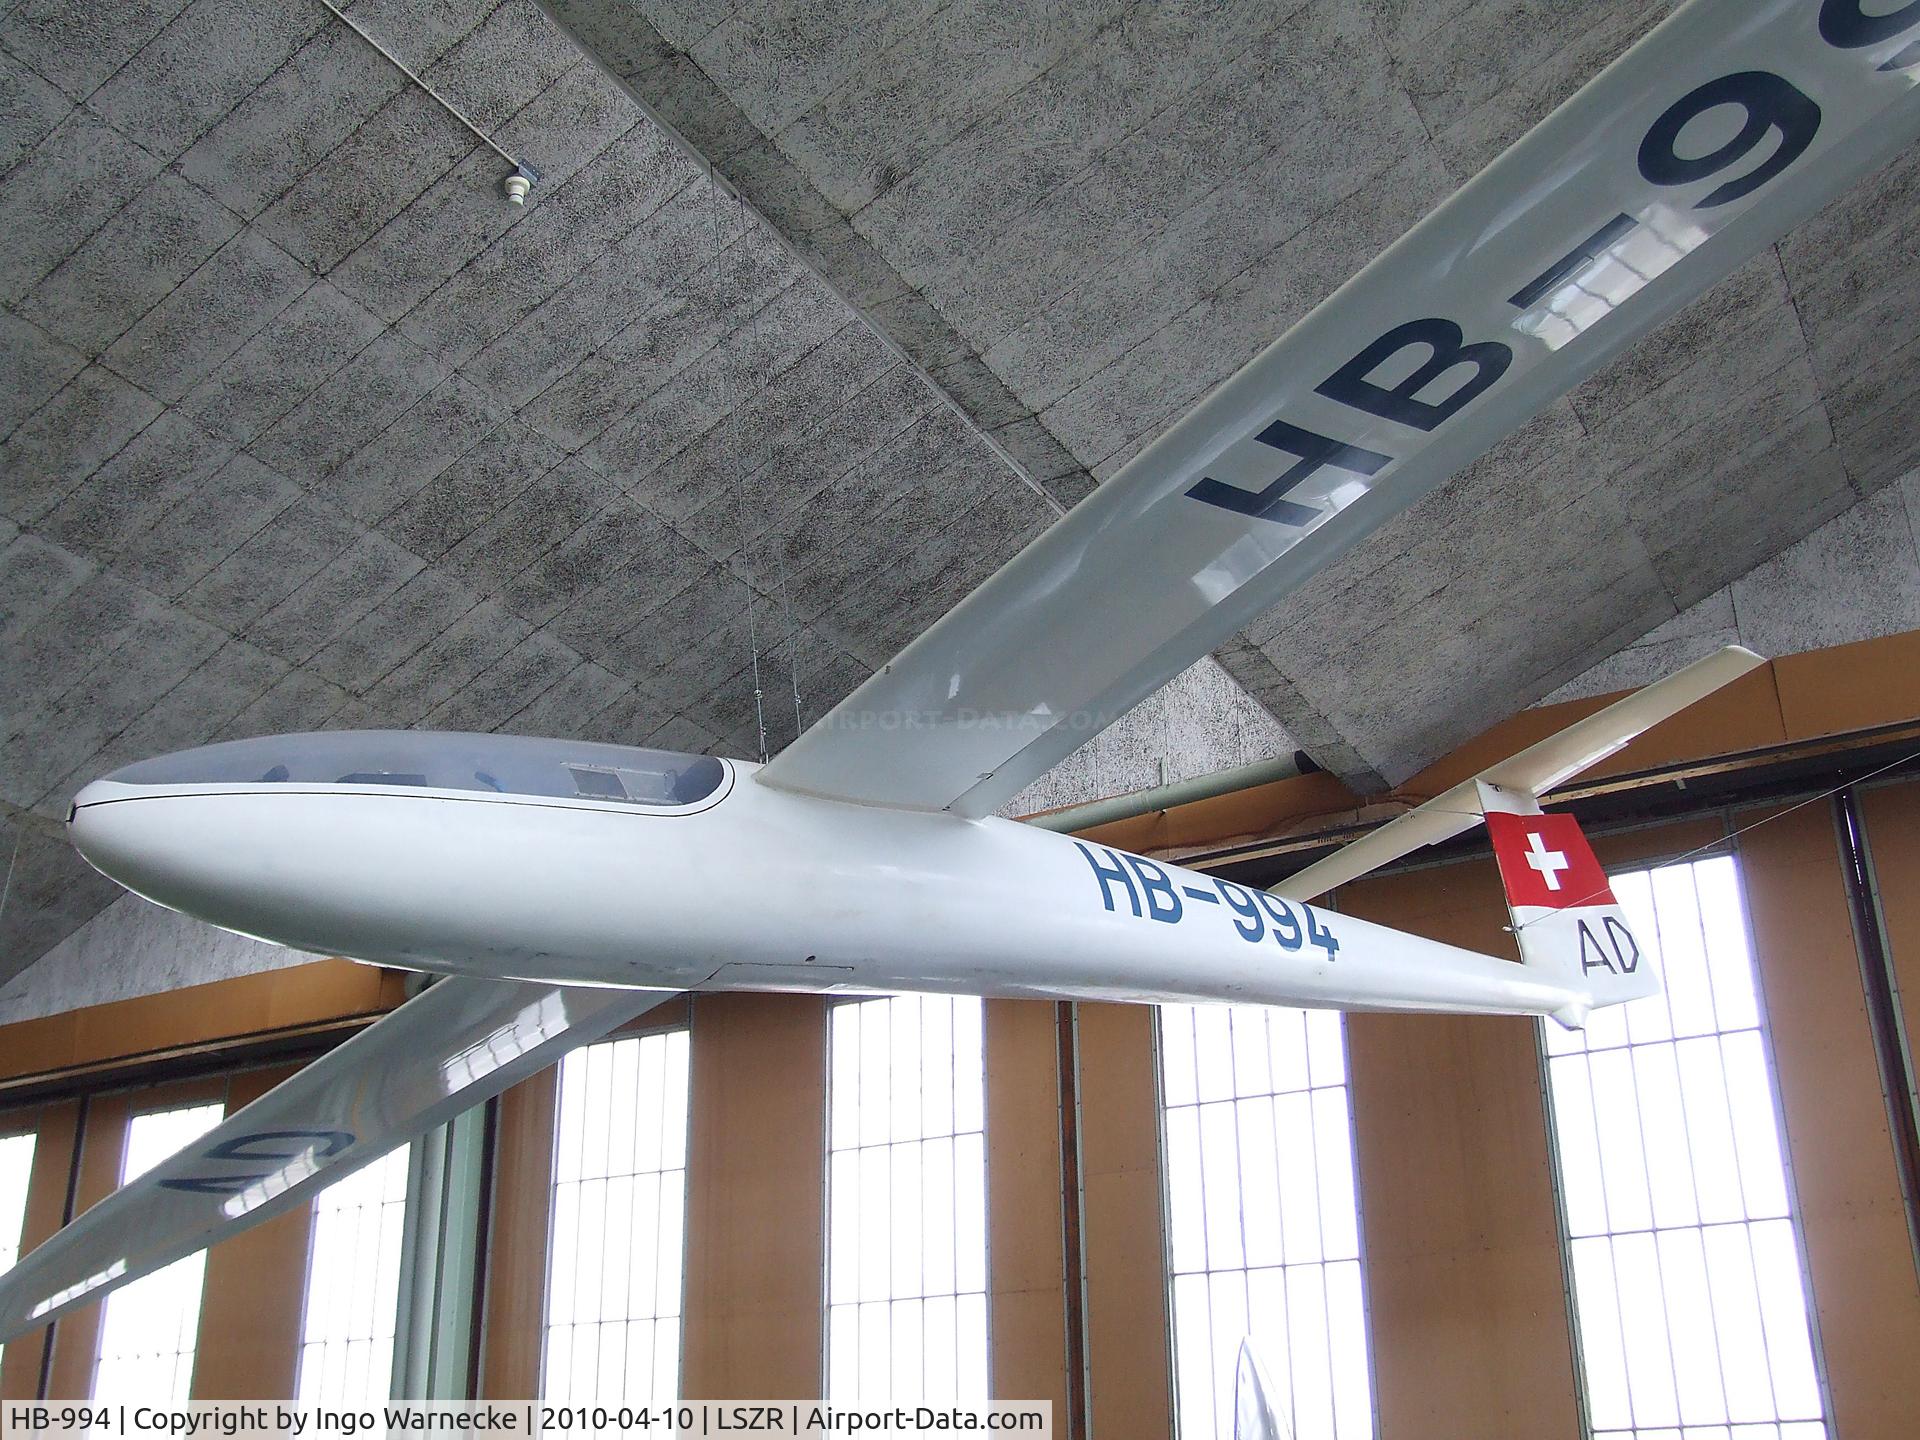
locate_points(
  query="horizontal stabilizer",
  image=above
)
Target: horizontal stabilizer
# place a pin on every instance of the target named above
(1534, 771)
(449, 1048)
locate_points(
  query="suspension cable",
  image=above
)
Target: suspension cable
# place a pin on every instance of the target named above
(1732, 836)
(739, 485)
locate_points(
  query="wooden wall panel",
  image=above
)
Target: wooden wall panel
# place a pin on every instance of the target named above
(1026, 1275)
(1850, 687)
(103, 1145)
(303, 997)
(76, 1336)
(755, 1186)
(1858, 1253)
(57, 1126)
(1891, 815)
(255, 1295)
(1130, 1393)
(514, 1322)
(1465, 1295)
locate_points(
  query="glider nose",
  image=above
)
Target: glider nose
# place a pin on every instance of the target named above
(111, 836)
(159, 847)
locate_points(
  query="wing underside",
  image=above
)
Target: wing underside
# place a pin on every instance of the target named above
(1602, 222)
(447, 1049)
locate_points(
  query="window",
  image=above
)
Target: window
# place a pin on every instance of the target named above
(16, 1170)
(1686, 1271)
(501, 764)
(1263, 1225)
(906, 1202)
(148, 1329)
(619, 1222)
(353, 1286)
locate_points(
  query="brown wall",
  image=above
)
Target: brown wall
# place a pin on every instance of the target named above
(325, 999)
(57, 1126)
(1129, 1391)
(1026, 1268)
(514, 1314)
(1859, 1257)
(1891, 815)
(1465, 1297)
(251, 1306)
(755, 1187)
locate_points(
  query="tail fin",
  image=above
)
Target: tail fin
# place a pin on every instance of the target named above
(1564, 913)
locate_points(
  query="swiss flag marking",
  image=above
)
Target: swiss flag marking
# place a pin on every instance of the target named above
(1545, 860)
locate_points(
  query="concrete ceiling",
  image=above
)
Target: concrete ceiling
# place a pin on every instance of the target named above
(301, 424)
(305, 425)
(1081, 215)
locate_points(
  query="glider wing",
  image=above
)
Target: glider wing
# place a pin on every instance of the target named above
(1731, 122)
(447, 1049)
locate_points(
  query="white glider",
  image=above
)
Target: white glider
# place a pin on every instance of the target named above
(563, 887)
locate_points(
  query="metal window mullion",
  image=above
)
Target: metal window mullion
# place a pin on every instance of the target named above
(1686, 1129)
(1326, 1310)
(1653, 1220)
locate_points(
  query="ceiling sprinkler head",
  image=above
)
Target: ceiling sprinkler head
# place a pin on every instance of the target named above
(518, 184)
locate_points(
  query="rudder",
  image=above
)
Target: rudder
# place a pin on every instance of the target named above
(1565, 916)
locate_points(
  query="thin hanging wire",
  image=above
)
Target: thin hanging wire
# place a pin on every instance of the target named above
(779, 548)
(1728, 839)
(13, 859)
(793, 638)
(739, 485)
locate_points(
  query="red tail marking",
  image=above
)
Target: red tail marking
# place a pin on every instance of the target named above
(1545, 860)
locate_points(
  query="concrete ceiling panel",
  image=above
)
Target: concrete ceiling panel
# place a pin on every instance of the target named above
(302, 424)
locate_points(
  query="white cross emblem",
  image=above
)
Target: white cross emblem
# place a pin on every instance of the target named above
(1548, 862)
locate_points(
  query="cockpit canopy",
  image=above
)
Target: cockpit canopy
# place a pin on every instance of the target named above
(442, 760)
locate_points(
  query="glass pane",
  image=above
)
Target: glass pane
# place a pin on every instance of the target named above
(148, 1329)
(1687, 1276)
(615, 1250)
(353, 1286)
(906, 1202)
(1262, 1216)
(16, 1170)
(442, 760)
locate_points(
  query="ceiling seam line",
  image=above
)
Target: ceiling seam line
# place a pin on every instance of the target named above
(725, 183)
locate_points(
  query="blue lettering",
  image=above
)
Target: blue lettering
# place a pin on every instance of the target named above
(271, 1145)
(1163, 901)
(1350, 386)
(1315, 452)
(1770, 104)
(1108, 873)
(1845, 26)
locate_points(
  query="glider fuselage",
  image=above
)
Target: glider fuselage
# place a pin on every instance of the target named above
(742, 887)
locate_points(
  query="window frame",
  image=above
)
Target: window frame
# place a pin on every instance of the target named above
(312, 1217)
(17, 1240)
(1648, 860)
(139, 1105)
(1161, 1108)
(661, 1022)
(827, 1152)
